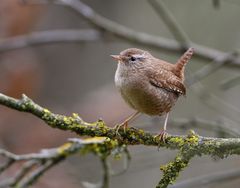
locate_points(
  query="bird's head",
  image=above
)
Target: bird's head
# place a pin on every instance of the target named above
(132, 57)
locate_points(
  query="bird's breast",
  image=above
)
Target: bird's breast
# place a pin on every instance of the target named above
(142, 96)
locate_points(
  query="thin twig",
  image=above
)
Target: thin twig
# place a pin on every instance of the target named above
(6, 165)
(46, 37)
(167, 17)
(230, 83)
(33, 177)
(215, 126)
(211, 99)
(13, 181)
(203, 181)
(106, 173)
(216, 4)
(206, 70)
(23, 171)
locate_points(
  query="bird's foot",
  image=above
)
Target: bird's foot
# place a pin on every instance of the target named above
(162, 136)
(123, 125)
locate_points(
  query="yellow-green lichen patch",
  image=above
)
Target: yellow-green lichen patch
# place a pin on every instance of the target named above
(177, 140)
(64, 148)
(118, 156)
(67, 120)
(47, 117)
(46, 111)
(192, 138)
(141, 132)
(100, 124)
(171, 171)
(75, 116)
(23, 107)
(100, 149)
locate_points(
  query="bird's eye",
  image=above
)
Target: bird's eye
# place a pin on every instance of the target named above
(133, 58)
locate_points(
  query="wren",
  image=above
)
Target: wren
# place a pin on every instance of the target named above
(150, 85)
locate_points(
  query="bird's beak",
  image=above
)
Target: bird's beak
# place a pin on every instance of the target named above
(116, 57)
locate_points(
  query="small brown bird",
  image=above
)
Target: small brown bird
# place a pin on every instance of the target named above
(150, 85)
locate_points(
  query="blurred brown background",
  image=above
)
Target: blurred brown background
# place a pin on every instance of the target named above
(78, 77)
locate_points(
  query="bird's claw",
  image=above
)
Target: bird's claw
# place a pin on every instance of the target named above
(123, 125)
(162, 136)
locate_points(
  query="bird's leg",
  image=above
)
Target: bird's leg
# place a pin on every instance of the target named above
(124, 124)
(163, 134)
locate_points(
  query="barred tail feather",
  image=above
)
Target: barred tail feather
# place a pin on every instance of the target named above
(183, 60)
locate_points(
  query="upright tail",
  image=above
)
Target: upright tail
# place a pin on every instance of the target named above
(183, 60)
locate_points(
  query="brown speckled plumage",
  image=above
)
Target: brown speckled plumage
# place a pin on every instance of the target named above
(150, 85)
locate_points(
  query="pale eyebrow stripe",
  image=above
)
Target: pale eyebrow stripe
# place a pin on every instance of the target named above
(139, 56)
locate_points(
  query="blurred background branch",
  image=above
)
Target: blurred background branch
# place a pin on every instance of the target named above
(176, 30)
(36, 164)
(209, 179)
(46, 37)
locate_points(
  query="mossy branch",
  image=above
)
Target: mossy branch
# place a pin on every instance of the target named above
(189, 146)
